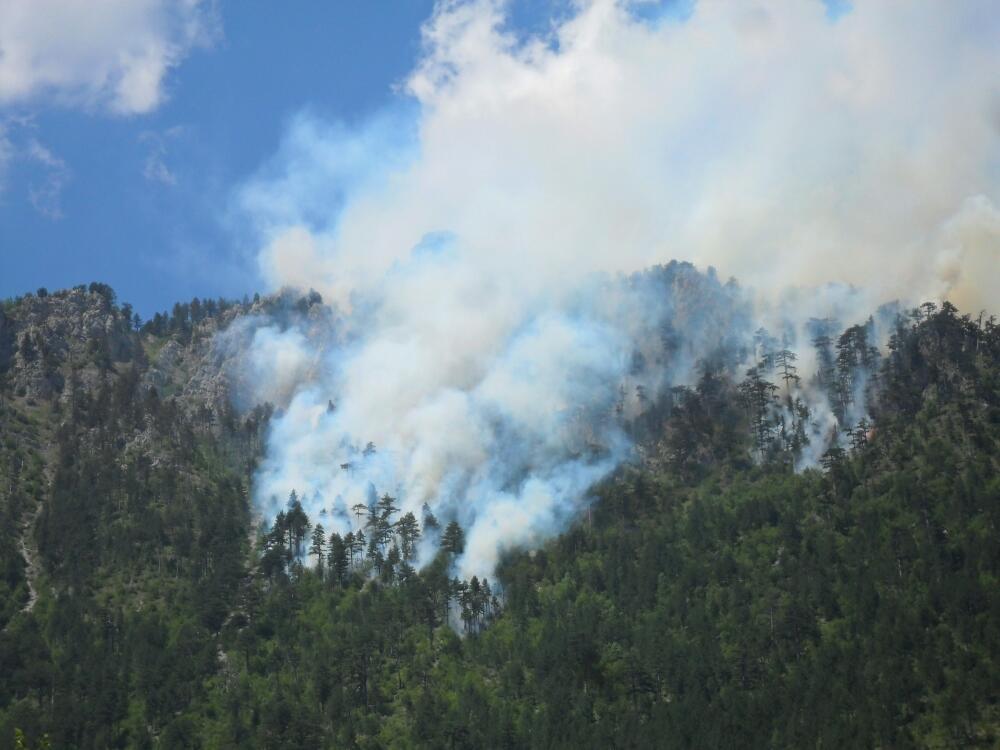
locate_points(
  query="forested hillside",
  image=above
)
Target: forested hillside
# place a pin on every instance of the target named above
(721, 591)
(126, 519)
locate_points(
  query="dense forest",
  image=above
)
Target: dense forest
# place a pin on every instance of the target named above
(720, 590)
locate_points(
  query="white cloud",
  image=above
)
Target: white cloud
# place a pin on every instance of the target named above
(46, 173)
(155, 167)
(103, 54)
(45, 192)
(759, 137)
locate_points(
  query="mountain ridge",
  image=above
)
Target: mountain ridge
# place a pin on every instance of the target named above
(706, 598)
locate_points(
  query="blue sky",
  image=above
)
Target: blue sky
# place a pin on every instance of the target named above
(130, 131)
(139, 200)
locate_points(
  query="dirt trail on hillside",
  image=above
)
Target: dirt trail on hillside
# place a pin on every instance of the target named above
(29, 552)
(26, 543)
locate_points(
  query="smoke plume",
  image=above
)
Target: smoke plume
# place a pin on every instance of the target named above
(469, 236)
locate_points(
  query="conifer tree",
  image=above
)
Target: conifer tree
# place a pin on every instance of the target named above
(348, 542)
(430, 520)
(453, 540)
(318, 547)
(409, 533)
(298, 524)
(338, 558)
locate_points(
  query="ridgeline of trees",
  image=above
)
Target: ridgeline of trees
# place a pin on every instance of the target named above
(713, 598)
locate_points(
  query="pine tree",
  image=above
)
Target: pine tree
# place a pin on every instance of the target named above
(758, 397)
(348, 542)
(298, 524)
(360, 543)
(318, 547)
(386, 507)
(453, 540)
(430, 520)
(375, 554)
(338, 558)
(409, 533)
(784, 361)
(392, 560)
(764, 349)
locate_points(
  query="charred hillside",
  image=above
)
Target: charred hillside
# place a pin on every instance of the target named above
(722, 587)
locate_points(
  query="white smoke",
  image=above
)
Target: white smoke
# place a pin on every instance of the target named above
(471, 402)
(460, 231)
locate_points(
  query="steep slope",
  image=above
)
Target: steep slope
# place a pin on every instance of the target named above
(124, 506)
(741, 605)
(712, 596)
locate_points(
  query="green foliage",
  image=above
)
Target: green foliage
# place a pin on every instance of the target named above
(136, 514)
(708, 600)
(738, 607)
